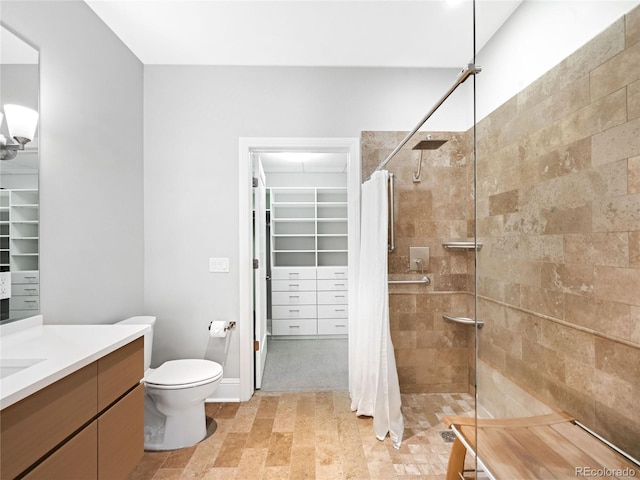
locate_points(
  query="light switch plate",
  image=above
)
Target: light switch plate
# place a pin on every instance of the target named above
(5, 285)
(421, 254)
(219, 265)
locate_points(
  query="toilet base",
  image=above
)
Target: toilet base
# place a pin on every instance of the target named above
(162, 432)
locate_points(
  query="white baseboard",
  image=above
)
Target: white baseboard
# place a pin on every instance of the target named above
(228, 391)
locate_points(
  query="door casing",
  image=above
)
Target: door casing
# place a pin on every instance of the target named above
(247, 146)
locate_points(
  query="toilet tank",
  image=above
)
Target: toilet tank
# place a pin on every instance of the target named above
(148, 337)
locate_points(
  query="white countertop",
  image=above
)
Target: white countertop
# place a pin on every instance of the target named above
(63, 350)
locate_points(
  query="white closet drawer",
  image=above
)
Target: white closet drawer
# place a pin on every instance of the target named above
(293, 311)
(279, 273)
(294, 327)
(333, 298)
(329, 326)
(333, 284)
(23, 313)
(25, 277)
(293, 285)
(332, 311)
(329, 273)
(25, 303)
(25, 289)
(293, 298)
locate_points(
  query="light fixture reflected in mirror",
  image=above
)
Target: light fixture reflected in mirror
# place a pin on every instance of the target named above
(22, 123)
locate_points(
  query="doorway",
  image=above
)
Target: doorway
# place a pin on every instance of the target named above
(254, 344)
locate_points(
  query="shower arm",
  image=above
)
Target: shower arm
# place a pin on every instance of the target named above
(466, 72)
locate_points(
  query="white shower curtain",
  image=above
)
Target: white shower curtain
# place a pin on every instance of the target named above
(375, 390)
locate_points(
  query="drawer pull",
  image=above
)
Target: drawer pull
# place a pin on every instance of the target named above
(30, 301)
(294, 326)
(339, 284)
(294, 296)
(339, 296)
(294, 275)
(294, 284)
(339, 325)
(339, 310)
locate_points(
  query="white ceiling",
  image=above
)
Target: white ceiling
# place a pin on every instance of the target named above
(366, 33)
(303, 162)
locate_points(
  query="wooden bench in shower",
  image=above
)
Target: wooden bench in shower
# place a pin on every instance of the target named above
(543, 447)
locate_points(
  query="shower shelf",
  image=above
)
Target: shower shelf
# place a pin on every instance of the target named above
(462, 245)
(463, 320)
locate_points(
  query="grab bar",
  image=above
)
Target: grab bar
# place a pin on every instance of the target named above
(392, 241)
(424, 280)
(463, 320)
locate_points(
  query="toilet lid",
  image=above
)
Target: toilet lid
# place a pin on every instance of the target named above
(182, 372)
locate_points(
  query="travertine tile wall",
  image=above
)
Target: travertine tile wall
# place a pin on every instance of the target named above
(432, 355)
(559, 215)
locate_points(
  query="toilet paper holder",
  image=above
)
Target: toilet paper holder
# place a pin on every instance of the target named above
(227, 327)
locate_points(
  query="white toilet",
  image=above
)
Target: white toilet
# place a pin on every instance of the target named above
(174, 396)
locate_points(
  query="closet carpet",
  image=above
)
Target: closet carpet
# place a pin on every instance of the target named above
(311, 435)
(306, 365)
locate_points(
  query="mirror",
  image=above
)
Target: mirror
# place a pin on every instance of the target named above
(19, 192)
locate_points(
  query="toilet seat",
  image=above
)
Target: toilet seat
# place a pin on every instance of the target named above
(176, 374)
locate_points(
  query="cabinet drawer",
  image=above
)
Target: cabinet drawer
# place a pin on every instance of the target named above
(331, 273)
(294, 327)
(293, 285)
(23, 313)
(293, 273)
(119, 371)
(25, 289)
(329, 326)
(25, 303)
(78, 458)
(293, 298)
(25, 277)
(333, 298)
(333, 284)
(34, 426)
(293, 311)
(121, 436)
(332, 311)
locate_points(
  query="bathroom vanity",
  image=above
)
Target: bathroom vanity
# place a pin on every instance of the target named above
(72, 403)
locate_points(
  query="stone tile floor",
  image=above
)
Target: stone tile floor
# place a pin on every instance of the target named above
(311, 435)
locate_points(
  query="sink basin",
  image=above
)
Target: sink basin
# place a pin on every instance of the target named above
(9, 366)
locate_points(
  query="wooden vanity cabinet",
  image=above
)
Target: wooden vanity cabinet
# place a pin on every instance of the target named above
(88, 425)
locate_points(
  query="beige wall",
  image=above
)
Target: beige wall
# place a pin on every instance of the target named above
(559, 215)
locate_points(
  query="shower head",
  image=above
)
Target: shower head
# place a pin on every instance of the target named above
(429, 144)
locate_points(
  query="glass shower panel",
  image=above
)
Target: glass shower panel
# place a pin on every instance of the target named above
(557, 213)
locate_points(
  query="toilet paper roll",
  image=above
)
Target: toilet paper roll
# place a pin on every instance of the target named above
(218, 329)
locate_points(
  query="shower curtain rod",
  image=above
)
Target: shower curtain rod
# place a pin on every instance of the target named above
(470, 69)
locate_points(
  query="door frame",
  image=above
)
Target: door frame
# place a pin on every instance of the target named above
(248, 146)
